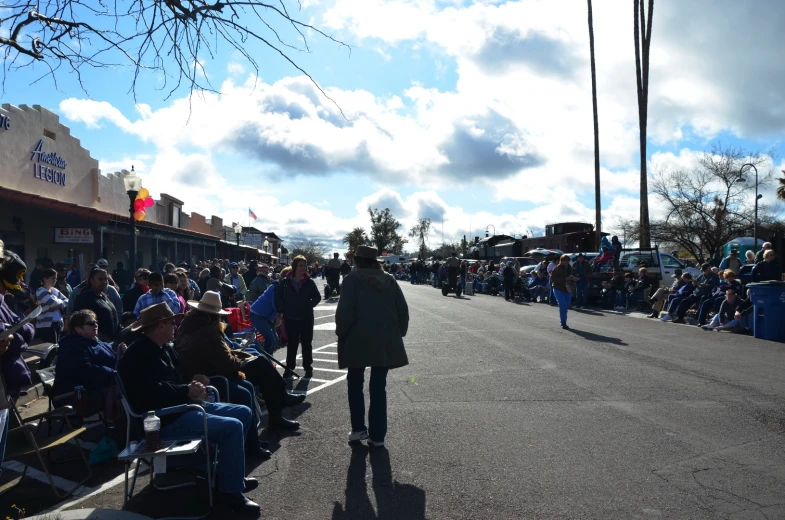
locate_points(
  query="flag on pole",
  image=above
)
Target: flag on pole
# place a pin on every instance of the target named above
(251, 214)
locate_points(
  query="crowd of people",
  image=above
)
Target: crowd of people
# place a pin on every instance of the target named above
(168, 334)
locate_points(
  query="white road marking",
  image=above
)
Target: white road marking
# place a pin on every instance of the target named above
(326, 316)
(326, 360)
(325, 307)
(325, 326)
(342, 371)
(35, 474)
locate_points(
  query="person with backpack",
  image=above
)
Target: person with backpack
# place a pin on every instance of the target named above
(264, 315)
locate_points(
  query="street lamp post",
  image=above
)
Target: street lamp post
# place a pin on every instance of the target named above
(238, 228)
(757, 197)
(132, 183)
(265, 245)
(486, 229)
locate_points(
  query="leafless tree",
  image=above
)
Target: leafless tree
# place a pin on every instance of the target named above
(642, 44)
(311, 249)
(706, 206)
(173, 37)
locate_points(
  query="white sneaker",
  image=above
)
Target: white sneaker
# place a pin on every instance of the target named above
(708, 327)
(667, 317)
(376, 444)
(358, 436)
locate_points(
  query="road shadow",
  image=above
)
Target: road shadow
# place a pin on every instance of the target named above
(591, 336)
(394, 500)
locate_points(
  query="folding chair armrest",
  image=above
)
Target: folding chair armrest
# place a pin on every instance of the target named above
(23, 429)
(60, 397)
(182, 408)
(214, 391)
(57, 412)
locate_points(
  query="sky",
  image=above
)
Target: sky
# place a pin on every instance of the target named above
(477, 115)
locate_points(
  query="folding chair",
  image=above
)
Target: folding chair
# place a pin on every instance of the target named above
(132, 452)
(22, 441)
(83, 418)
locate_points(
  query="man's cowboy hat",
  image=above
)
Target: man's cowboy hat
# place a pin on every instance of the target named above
(210, 303)
(152, 315)
(366, 252)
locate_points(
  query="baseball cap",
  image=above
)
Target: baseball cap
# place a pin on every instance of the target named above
(102, 262)
(234, 264)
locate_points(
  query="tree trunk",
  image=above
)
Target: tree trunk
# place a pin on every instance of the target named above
(597, 205)
(642, 78)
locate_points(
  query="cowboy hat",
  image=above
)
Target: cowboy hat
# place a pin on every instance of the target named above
(210, 303)
(366, 252)
(152, 315)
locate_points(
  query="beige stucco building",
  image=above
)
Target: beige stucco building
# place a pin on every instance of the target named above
(55, 202)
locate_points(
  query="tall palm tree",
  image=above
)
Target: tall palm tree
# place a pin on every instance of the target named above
(781, 188)
(642, 78)
(597, 207)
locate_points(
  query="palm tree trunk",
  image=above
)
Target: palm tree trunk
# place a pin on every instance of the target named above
(642, 78)
(597, 204)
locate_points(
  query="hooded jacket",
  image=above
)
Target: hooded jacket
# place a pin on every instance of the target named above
(371, 320)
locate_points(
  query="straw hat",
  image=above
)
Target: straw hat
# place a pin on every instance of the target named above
(210, 303)
(154, 314)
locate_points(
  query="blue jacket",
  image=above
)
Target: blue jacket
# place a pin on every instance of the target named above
(264, 305)
(537, 281)
(686, 289)
(83, 362)
(712, 281)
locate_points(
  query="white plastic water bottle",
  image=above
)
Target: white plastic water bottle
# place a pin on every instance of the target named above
(152, 431)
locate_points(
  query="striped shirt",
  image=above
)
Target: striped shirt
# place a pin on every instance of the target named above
(149, 299)
(52, 305)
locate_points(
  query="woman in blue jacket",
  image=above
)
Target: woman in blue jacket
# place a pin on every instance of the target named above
(85, 361)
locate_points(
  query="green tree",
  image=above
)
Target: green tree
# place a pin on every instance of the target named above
(384, 231)
(312, 250)
(354, 238)
(420, 231)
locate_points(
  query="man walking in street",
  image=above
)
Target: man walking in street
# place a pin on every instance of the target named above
(334, 274)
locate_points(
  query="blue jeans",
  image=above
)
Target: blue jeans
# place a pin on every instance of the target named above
(563, 298)
(227, 425)
(266, 329)
(551, 297)
(3, 434)
(709, 304)
(633, 297)
(582, 293)
(377, 413)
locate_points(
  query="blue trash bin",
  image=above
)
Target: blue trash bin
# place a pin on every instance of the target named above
(767, 319)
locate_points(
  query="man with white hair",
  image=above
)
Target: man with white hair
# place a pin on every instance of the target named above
(759, 256)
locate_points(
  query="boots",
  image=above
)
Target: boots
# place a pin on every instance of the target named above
(277, 422)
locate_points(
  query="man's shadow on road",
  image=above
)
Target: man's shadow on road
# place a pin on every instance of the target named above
(393, 500)
(597, 337)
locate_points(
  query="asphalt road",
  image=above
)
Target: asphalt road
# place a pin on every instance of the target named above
(502, 414)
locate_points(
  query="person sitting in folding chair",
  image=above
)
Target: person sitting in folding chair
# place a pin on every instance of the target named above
(152, 381)
(203, 348)
(86, 366)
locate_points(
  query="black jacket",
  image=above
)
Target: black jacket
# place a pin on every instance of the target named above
(131, 296)
(105, 312)
(766, 271)
(150, 376)
(294, 304)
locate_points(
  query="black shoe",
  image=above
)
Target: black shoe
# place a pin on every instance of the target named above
(678, 320)
(259, 453)
(281, 424)
(293, 399)
(565, 326)
(250, 484)
(239, 503)
(309, 372)
(654, 315)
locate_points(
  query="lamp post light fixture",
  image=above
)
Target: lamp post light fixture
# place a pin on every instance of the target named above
(265, 245)
(132, 183)
(757, 197)
(486, 230)
(238, 229)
